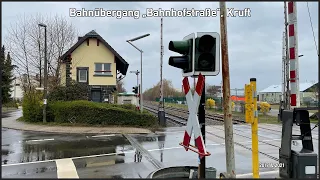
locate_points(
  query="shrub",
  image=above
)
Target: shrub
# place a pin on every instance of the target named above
(211, 103)
(32, 106)
(265, 107)
(85, 112)
(75, 91)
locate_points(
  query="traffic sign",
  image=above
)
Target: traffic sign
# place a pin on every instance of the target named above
(193, 123)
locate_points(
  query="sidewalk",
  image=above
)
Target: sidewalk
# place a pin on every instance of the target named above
(11, 123)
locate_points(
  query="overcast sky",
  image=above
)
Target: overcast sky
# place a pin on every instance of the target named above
(255, 43)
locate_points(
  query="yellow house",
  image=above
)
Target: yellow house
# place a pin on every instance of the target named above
(94, 62)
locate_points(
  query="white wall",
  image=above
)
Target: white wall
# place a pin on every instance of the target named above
(133, 99)
(16, 90)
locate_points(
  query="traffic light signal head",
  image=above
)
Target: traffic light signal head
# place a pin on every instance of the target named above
(207, 54)
(186, 49)
(135, 89)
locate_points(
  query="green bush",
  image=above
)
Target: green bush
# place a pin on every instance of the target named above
(85, 112)
(32, 106)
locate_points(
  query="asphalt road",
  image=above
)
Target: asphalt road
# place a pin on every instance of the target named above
(37, 155)
(33, 155)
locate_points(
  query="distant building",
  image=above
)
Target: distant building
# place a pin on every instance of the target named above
(127, 98)
(272, 94)
(17, 86)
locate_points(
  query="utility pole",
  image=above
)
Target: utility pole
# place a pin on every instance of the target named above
(202, 121)
(227, 113)
(1, 66)
(137, 74)
(161, 113)
(40, 66)
(45, 83)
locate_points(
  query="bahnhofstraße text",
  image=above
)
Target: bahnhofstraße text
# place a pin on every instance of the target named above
(150, 12)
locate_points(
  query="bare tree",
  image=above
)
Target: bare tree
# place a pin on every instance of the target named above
(168, 91)
(213, 90)
(120, 87)
(25, 41)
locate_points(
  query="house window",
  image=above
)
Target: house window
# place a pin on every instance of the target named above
(102, 69)
(83, 75)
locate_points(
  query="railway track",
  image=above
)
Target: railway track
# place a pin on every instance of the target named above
(183, 114)
(215, 117)
(183, 121)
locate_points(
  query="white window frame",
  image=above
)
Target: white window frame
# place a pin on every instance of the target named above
(79, 75)
(107, 72)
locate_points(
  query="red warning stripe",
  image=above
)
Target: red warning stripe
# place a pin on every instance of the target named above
(293, 98)
(186, 140)
(186, 85)
(292, 76)
(200, 84)
(290, 7)
(292, 53)
(291, 30)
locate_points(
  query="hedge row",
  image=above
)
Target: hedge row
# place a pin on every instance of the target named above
(85, 112)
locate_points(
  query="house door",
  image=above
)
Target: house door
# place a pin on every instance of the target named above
(96, 96)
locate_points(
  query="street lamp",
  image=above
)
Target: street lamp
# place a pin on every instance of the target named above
(45, 81)
(129, 41)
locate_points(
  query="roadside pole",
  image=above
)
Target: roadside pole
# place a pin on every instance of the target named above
(1, 63)
(228, 127)
(251, 117)
(254, 129)
(202, 121)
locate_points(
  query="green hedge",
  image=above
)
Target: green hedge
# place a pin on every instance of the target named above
(85, 112)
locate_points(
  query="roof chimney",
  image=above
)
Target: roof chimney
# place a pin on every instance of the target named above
(79, 38)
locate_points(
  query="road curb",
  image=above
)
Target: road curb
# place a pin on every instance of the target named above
(12, 123)
(85, 131)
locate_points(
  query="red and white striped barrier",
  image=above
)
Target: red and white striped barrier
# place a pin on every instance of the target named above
(293, 54)
(193, 123)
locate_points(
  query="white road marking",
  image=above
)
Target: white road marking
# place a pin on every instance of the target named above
(66, 168)
(37, 140)
(105, 135)
(260, 173)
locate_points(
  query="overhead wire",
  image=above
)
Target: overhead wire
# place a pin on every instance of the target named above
(314, 38)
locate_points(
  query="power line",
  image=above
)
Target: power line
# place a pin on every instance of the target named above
(314, 38)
